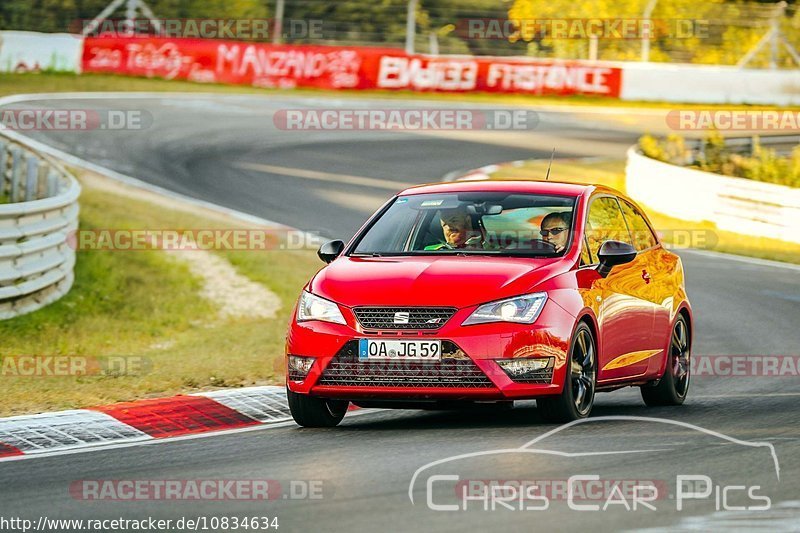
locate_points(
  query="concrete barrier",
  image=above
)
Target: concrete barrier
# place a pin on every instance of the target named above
(734, 204)
(709, 84)
(28, 51)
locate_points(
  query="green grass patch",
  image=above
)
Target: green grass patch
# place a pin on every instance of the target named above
(146, 304)
(65, 82)
(612, 173)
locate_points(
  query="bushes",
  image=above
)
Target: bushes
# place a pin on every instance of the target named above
(711, 154)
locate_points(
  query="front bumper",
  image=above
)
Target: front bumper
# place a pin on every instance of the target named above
(467, 371)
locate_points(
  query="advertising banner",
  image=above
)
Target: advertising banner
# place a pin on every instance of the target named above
(328, 67)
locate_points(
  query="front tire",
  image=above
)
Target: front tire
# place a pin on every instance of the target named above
(673, 386)
(577, 397)
(312, 412)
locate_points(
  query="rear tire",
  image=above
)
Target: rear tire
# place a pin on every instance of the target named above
(577, 397)
(312, 412)
(673, 386)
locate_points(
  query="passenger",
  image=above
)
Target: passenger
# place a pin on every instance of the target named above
(555, 229)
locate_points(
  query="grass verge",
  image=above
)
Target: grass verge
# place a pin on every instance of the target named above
(675, 231)
(146, 304)
(65, 82)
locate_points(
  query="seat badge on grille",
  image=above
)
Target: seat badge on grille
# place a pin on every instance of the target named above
(401, 317)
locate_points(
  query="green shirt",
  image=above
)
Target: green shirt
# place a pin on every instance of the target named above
(472, 241)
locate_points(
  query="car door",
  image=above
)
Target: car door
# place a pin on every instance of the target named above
(658, 266)
(626, 317)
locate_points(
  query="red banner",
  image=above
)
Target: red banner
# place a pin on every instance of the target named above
(289, 66)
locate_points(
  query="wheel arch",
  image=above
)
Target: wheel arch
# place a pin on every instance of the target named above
(685, 311)
(587, 317)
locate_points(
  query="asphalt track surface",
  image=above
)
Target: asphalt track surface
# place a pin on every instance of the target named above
(227, 150)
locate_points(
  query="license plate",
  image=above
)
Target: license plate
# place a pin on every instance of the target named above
(387, 350)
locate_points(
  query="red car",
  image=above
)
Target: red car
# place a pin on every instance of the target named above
(488, 292)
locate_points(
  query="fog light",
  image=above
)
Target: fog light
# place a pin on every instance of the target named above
(300, 365)
(521, 368)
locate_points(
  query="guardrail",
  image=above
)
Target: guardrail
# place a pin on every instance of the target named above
(782, 144)
(734, 204)
(38, 210)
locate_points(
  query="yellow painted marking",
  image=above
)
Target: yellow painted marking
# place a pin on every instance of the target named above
(630, 359)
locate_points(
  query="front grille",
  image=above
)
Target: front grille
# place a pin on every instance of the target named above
(455, 370)
(386, 318)
(294, 375)
(540, 377)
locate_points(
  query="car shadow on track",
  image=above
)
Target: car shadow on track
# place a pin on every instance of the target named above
(524, 414)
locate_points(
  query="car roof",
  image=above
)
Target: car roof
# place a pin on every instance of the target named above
(511, 185)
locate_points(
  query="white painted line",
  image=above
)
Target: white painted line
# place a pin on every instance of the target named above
(327, 176)
(754, 395)
(555, 109)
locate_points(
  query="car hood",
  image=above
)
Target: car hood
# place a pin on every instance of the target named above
(457, 281)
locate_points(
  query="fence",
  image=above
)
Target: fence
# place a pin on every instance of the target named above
(38, 210)
(734, 204)
(750, 33)
(782, 144)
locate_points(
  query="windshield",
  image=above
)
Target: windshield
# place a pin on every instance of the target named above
(471, 223)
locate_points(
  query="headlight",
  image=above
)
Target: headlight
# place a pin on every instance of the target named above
(521, 309)
(313, 307)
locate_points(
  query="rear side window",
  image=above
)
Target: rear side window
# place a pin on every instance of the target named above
(643, 237)
(605, 223)
(586, 256)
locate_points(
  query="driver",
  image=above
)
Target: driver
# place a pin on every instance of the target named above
(458, 231)
(555, 229)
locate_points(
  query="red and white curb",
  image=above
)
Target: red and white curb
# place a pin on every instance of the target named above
(142, 421)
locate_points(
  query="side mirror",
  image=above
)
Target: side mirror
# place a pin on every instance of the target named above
(330, 250)
(613, 253)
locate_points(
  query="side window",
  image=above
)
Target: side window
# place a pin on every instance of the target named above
(605, 223)
(643, 237)
(586, 256)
